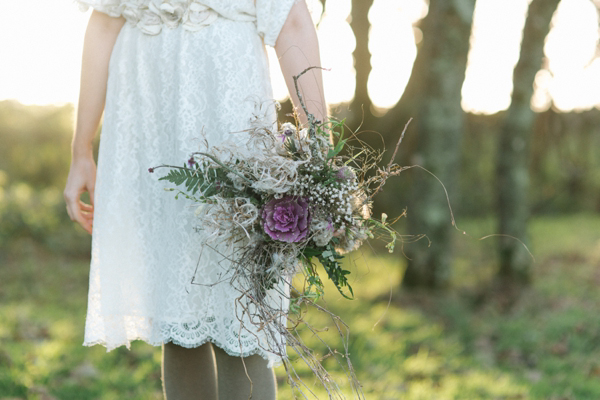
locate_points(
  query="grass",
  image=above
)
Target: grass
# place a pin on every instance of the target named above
(475, 341)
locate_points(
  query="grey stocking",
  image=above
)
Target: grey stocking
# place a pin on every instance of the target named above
(235, 384)
(189, 374)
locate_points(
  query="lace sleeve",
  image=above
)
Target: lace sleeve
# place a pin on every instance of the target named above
(110, 7)
(270, 17)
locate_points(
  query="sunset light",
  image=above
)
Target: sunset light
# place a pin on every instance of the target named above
(432, 231)
(40, 54)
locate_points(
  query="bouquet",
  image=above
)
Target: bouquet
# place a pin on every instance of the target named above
(286, 198)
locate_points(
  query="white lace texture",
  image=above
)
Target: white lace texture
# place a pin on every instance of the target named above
(150, 278)
(150, 16)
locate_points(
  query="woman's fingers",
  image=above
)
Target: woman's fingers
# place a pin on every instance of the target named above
(79, 211)
(75, 212)
(86, 221)
(72, 199)
(89, 222)
(84, 215)
(86, 207)
(87, 215)
(81, 179)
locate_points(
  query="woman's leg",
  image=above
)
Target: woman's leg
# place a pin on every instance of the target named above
(235, 384)
(189, 374)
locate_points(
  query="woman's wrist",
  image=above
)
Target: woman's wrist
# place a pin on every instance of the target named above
(82, 151)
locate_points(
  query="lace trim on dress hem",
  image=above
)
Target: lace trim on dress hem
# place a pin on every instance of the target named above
(272, 359)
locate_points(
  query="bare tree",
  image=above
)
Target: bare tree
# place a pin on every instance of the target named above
(362, 62)
(513, 150)
(435, 96)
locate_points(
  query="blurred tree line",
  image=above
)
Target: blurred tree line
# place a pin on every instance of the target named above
(501, 165)
(34, 162)
(504, 166)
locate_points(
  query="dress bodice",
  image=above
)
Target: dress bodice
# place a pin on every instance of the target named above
(151, 16)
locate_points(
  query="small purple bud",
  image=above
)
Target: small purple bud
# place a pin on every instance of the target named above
(287, 130)
(191, 162)
(345, 174)
(151, 170)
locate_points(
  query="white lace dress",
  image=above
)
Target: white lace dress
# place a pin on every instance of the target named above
(178, 68)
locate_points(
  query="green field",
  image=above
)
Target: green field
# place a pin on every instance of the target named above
(478, 340)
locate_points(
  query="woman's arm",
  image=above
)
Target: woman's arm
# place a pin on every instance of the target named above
(100, 37)
(297, 48)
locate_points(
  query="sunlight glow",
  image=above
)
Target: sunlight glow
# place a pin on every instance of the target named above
(40, 56)
(392, 44)
(495, 39)
(337, 43)
(574, 78)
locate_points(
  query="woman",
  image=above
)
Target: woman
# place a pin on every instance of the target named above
(163, 72)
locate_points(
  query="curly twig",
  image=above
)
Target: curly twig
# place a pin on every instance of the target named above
(387, 172)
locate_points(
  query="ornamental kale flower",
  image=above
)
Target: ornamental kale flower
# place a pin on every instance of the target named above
(286, 219)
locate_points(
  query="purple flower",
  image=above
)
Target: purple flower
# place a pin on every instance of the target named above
(287, 130)
(191, 162)
(286, 219)
(345, 174)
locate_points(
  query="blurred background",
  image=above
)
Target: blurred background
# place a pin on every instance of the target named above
(500, 301)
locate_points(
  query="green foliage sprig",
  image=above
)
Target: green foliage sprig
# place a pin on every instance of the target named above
(191, 178)
(329, 259)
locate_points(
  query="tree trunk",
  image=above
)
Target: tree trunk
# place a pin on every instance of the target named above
(361, 104)
(512, 163)
(439, 118)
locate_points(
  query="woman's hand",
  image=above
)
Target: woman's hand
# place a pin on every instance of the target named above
(81, 179)
(100, 37)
